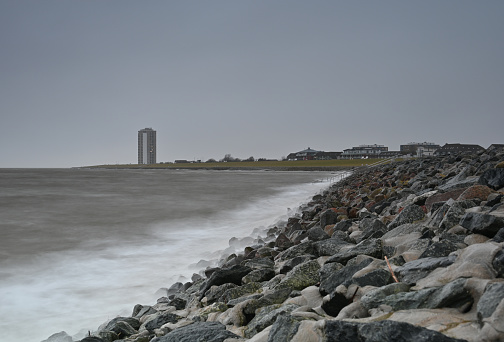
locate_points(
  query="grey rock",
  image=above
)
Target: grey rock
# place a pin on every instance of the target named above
(493, 178)
(439, 249)
(371, 228)
(92, 339)
(409, 214)
(160, 320)
(317, 234)
(370, 247)
(329, 268)
(232, 275)
(303, 248)
(123, 329)
(415, 270)
(343, 225)
(198, 331)
(375, 297)
(498, 263)
(301, 276)
(382, 331)
(239, 291)
(215, 292)
(59, 337)
(342, 277)
(378, 278)
(290, 264)
(493, 295)
(265, 317)
(284, 328)
(328, 217)
(484, 224)
(260, 275)
(133, 322)
(329, 247)
(259, 263)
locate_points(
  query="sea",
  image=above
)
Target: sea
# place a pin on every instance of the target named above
(79, 247)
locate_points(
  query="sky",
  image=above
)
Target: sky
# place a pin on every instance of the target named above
(258, 78)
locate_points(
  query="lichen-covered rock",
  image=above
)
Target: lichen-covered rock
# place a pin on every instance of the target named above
(301, 276)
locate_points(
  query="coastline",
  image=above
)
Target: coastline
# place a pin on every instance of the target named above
(332, 268)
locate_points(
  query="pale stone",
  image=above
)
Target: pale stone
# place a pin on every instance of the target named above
(309, 331)
(475, 238)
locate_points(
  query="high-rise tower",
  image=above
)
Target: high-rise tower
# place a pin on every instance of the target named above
(147, 146)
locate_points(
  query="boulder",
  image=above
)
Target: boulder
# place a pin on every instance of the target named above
(239, 291)
(377, 277)
(329, 247)
(343, 276)
(370, 247)
(412, 271)
(303, 248)
(232, 275)
(284, 328)
(328, 216)
(291, 263)
(443, 197)
(484, 224)
(382, 331)
(476, 192)
(371, 228)
(498, 263)
(259, 275)
(161, 319)
(493, 295)
(133, 322)
(439, 249)
(317, 234)
(59, 337)
(409, 214)
(265, 317)
(301, 276)
(198, 331)
(493, 178)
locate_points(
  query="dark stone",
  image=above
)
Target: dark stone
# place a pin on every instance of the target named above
(59, 337)
(265, 317)
(415, 270)
(343, 225)
(178, 303)
(493, 295)
(232, 275)
(439, 249)
(335, 303)
(499, 237)
(290, 264)
(317, 234)
(123, 329)
(133, 322)
(329, 247)
(303, 248)
(301, 276)
(160, 320)
(382, 331)
(409, 214)
(215, 292)
(284, 328)
(494, 201)
(329, 268)
(342, 277)
(327, 217)
(264, 274)
(198, 331)
(282, 241)
(239, 291)
(493, 178)
(498, 263)
(484, 224)
(375, 297)
(371, 228)
(91, 339)
(259, 263)
(370, 247)
(378, 278)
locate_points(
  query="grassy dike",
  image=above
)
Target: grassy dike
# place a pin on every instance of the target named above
(296, 165)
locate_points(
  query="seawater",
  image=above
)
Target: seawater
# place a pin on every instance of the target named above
(81, 246)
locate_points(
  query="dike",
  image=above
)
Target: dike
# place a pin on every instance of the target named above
(408, 251)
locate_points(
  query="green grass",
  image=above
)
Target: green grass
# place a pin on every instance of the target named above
(300, 164)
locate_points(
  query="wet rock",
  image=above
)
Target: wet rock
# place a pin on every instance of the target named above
(409, 214)
(198, 331)
(92, 339)
(382, 331)
(484, 224)
(493, 295)
(215, 292)
(443, 197)
(414, 270)
(370, 247)
(493, 178)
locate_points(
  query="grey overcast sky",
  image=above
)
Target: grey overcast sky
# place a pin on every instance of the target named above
(246, 78)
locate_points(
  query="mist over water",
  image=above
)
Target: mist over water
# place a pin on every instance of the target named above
(79, 247)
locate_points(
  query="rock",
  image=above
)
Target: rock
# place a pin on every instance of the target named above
(329, 268)
(484, 224)
(303, 248)
(239, 291)
(328, 216)
(493, 295)
(91, 339)
(260, 275)
(317, 234)
(409, 214)
(498, 263)
(215, 292)
(284, 328)
(443, 197)
(259, 263)
(370, 247)
(414, 270)
(301, 276)
(378, 278)
(161, 319)
(382, 331)
(291, 263)
(329, 247)
(133, 322)
(376, 296)
(265, 317)
(232, 275)
(454, 213)
(479, 192)
(333, 303)
(59, 337)
(343, 276)
(371, 228)
(439, 249)
(282, 241)
(493, 178)
(198, 331)
(343, 225)
(123, 329)
(178, 303)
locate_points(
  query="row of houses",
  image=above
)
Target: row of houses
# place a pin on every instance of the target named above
(413, 149)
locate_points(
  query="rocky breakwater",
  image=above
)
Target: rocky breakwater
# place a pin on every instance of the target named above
(409, 251)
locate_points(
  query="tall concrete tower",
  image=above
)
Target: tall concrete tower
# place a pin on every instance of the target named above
(147, 146)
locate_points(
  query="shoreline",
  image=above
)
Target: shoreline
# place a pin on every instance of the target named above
(325, 272)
